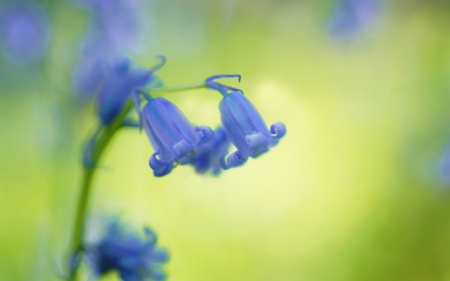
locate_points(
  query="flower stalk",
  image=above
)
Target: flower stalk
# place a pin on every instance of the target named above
(107, 133)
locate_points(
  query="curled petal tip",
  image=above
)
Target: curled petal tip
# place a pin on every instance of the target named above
(162, 61)
(210, 83)
(278, 130)
(205, 132)
(235, 159)
(160, 168)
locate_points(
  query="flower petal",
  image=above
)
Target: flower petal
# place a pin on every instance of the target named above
(182, 148)
(278, 130)
(205, 133)
(257, 143)
(160, 168)
(235, 159)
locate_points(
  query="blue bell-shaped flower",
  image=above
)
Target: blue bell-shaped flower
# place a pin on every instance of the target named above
(119, 84)
(131, 256)
(244, 125)
(171, 134)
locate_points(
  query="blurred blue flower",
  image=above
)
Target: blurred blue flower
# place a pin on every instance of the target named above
(24, 32)
(350, 16)
(117, 87)
(210, 155)
(244, 125)
(133, 257)
(112, 31)
(444, 166)
(171, 135)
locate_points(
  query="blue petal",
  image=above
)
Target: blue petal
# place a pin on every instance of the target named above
(278, 130)
(180, 122)
(182, 149)
(130, 263)
(159, 167)
(161, 123)
(235, 159)
(235, 134)
(151, 236)
(158, 276)
(205, 133)
(166, 154)
(158, 256)
(131, 276)
(257, 143)
(121, 65)
(253, 114)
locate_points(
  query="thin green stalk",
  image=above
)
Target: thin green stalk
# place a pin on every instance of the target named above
(105, 136)
(181, 87)
(88, 174)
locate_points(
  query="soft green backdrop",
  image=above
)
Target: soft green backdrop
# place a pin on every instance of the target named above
(351, 193)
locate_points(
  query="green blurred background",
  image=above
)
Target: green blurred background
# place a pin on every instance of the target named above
(351, 193)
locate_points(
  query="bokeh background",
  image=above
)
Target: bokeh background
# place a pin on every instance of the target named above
(357, 190)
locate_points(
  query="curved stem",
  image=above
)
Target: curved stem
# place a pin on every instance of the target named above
(88, 174)
(181, 87)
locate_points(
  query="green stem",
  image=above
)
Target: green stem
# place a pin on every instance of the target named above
(88, 174)
(180, 88)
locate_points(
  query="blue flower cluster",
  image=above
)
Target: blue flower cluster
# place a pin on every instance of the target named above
(174, 138)
(133, 257)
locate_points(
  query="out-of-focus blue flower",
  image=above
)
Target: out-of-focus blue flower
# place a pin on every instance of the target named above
(135, 258)
(112, 31)
(244, 125)
(117, 87)
(210, 155)
(444, 166)
(171, 135)
(350, 16)
(24, 32)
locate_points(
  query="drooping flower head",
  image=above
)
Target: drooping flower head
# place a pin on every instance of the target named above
(24, 32)
(243, 124)
(350, 16)
(171, 135)
(133, 257)
(113, 30)
(120, 81)
(210, 155)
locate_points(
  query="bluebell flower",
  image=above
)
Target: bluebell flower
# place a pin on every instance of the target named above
(112, 31)
(133, 257)
(444, 166)
(210, 155)
(171, 135)
(119, 83)
(89, 75)
(350, 16)
(24, 32)
(244, 125)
